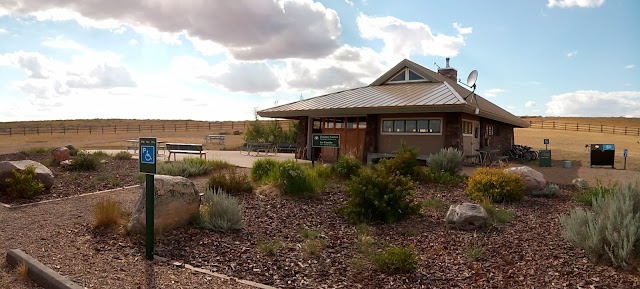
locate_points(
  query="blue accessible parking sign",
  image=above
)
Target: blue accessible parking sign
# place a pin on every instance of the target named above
(148, 155)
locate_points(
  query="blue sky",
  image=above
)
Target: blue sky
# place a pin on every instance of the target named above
(222, 60)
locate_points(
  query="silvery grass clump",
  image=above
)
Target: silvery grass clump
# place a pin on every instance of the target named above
(447, 160)
(611, 230)
(220, 211)
(549, 191)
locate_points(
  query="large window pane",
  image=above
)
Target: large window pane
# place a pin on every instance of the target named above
(434, 126)
(339, 122)
(399, 77)
(398, 126)
(362, 124)
(410, 126)
(423, 126)
(387, 126)
(352, 122)
(328, 123)
(414, 76)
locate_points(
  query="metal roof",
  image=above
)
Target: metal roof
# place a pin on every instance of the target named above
(438, 94)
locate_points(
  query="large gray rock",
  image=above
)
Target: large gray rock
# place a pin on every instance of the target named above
(534, 179)
(61, 154)
(43, 173)
(467, 216)
(580, 183)
(177, 201)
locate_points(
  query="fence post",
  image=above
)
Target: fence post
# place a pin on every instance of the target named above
(175, 127)
(589, 127)
(625, 130)
(600, 128)
(24, 130)
(115, 128)
(577, 126)
(77, 129)
(614, 129)
(64, 129)
(163, 127)
(38, 129)
(51, 129)
(102, 126)
(90, 129)
(554, 125)
(9, 131)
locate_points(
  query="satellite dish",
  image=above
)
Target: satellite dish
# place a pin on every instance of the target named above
(471, 80)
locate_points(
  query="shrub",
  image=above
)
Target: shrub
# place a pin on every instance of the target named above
(261, 169)
(549, 191)
(433, 204)
(448, 160)
(475, 252)
(378, 195)
(100, 155)
(36, 150)
(312, 246)
(24, 184)
(269, 248)
(395, 260)
(432, 176)
(496, 185)
(123, 155)
(497, 215)
(107, 213)
(293, 179)
(84, 161)
(230, 181)
(612, 230)
(405, 162)
(191, 167)
(587, 195)
(220, 211)
(347, 166)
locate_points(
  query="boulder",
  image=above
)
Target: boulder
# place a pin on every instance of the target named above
(68, 164)
(70, 147)
(43, 173)
(177, 201)
(61, 154)
(467, 216)
(580, 184)
(534, 180)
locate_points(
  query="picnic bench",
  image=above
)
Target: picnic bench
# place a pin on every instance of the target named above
(286, 147)
(213, 138)
(132, 144)
(185, 148)
(258, 147)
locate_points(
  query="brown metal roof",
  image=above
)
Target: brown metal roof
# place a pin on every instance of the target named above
(439, 94)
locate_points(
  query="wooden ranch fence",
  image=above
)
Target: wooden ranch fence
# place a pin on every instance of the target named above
(599, 128)
(221, 127)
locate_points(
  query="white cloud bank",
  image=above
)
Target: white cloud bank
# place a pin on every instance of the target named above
(572, 54)
(575, 3)
(595, 103)
(630, 66)
(493, 92)
(530, 104)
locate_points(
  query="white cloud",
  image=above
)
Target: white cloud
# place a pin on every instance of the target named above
(62, 43)
(2, 31)
(462, 30)
(250, 30)
(530, 104)
(493, 92)
(572, 54)
(35, 64)
(206, 47)
(133, 42)
(630, 66)
(403, 39)
(350, 2)
(535, 82)
(595, 103)
(575, 3)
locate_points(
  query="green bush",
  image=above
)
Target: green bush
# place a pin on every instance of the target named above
(395, 260)
(24, 184)
(347, 167)
(293, 179)
(100, 155)
(496, 215)
(270, 131)
(448, 160)
(587, 195)
(123, 155)
(191, 167)
(431, 176)
(220, 211)
(378, 195)
(230, 181)
(262, 168)
(612, 230)
(36, 150)
(405, 163)
(549, 191)
(495, 185)
(84, 161)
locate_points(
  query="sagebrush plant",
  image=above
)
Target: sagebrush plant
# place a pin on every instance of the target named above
(405, 163)
(191, 167)
(262, 168)
(549, 191)
(496, 185)
(230, 181)
(24, 183)
(379, 195)
(107, 213)
(431, 176)
(611, 230)
(294, 179)
(122, 155)
(587, 195)
(36, 150)
(100, 155)
(448, 160)
(395, 259)
(84, 161)
(347, 166)
(220, 211)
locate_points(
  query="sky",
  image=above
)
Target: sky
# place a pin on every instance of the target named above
(223, 60)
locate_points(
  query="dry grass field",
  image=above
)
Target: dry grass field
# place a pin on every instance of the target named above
(569, 145)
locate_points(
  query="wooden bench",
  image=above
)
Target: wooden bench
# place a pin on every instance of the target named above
(286, 147)
(214, 137)
(184, 148)
(258, 148)
(499, 159)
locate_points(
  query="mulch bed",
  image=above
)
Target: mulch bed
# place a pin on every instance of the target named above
(112, 174)
(528, 252)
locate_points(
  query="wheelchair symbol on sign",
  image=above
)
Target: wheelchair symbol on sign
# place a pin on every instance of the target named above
(148, 155)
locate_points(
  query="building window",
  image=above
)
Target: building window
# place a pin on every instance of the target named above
(490, 130)
(412, 126)
(467, 127)
(407, 75)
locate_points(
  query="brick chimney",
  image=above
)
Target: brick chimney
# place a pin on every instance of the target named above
(449, 72)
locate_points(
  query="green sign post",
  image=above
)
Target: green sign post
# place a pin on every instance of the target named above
(319, 140)
(148, 148)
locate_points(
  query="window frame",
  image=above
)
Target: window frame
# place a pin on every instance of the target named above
(416, 119)
(463, 128)
(406, 77)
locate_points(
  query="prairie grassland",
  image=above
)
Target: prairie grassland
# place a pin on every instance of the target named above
(611, 121)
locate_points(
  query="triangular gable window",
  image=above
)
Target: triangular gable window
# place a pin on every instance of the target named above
(406, 75)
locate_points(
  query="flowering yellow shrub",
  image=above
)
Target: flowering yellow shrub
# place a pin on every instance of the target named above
(496, 185)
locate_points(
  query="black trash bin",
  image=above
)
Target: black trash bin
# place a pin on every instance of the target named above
(603, 155)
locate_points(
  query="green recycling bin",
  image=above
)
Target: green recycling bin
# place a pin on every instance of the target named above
(544, 158)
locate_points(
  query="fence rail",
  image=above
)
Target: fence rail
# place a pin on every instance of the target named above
(586, 127)
(222, 127)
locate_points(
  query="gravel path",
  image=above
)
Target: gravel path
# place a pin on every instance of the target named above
(58, 234)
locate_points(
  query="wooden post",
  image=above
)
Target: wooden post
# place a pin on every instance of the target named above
(102, 126)
(24, 130)
(51, 129)
(554, 125)
(64, 129)
(577, 126)
(163, 127)
(175, 127)
(625, 130)
(600, 128)
(139, 128)
(77, 129)
(38, 129)
(90, 128)
(9, 131)
(589, 127)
